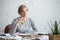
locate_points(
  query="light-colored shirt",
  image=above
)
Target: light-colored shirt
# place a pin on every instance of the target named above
(23, 26)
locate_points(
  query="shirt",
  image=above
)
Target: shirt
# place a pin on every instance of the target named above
(23, 26)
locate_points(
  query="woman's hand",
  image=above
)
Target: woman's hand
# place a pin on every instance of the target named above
(25, 32)
(22, 19)
(18, 22)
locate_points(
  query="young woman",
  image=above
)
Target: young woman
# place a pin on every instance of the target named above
(23, 24)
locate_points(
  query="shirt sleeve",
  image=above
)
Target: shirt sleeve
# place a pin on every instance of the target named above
(33, 27)
(13, 27)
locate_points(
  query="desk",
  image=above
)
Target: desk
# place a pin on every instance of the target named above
(38, 37)
(10, 37)
(32, 37)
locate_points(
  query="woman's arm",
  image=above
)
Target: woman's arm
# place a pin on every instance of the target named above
(33, 27)
(13, 27)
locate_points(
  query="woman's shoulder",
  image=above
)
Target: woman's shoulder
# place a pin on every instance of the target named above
(29, 18)
(16, 19)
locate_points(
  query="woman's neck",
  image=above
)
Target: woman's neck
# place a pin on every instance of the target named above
(23, 18)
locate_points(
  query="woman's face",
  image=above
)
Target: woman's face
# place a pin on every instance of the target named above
(24, 12)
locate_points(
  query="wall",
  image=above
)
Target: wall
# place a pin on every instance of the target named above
(41, 11)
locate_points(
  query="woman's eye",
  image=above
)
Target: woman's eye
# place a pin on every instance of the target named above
(26, 9)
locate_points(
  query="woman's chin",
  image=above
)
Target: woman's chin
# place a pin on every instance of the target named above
(23, 16)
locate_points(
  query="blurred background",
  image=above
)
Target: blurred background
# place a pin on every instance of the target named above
(42, 12)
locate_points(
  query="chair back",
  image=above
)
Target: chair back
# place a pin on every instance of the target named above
(7, 28)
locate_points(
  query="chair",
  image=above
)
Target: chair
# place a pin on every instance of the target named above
(7, 28)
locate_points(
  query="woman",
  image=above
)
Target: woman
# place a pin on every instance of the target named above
(23, 23)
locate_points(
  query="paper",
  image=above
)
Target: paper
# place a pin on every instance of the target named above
(20, 34)
(7, 34)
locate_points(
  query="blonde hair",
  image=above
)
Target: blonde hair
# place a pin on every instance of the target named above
(20, 8)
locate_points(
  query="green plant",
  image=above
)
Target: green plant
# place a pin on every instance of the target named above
(55, 25)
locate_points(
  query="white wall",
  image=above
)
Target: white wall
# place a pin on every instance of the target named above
(41, 11)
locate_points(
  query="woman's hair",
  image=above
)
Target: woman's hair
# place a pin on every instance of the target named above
(20, 8)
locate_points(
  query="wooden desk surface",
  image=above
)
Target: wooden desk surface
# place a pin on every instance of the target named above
(26, 36)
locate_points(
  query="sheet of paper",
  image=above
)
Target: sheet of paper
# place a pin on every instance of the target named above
(20, 34)
(7, 34)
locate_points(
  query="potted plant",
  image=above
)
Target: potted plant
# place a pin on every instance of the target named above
(55, 31)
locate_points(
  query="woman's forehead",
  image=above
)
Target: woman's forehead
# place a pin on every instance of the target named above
(24, 9)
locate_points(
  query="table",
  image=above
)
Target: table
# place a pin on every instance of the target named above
(32, 37)
(38, 37)
(10, 37)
